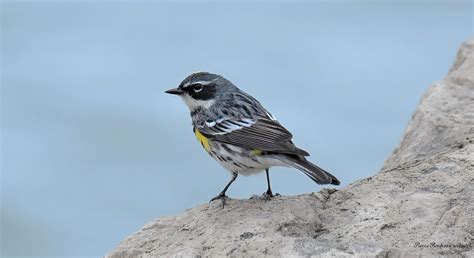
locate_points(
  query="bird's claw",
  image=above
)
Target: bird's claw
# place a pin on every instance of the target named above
(222, 197)
(268, 195)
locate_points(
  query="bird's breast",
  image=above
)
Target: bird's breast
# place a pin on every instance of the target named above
(203, 140)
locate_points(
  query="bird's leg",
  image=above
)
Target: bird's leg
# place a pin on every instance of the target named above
(269, 190)
(269, 194)
(222, 195)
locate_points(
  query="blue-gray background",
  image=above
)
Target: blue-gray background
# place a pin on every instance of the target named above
(92, 149)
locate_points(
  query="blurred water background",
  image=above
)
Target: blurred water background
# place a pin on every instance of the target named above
(92, 149)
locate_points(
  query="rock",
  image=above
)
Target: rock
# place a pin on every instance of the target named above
(420, 204)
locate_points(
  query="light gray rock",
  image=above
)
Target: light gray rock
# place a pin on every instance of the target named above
(424, 194)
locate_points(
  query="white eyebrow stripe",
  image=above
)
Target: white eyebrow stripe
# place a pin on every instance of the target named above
(198, 82)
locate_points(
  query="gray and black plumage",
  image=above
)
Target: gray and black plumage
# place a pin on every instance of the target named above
(237, 131)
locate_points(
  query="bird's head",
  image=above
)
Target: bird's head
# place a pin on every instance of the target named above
(201, 89)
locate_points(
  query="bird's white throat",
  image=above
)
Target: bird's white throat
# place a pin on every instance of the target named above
(193, 104)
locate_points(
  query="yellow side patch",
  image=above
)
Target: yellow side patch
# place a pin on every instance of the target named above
(203, 140)
(256, 152)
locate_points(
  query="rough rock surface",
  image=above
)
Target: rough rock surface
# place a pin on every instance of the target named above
(424, 194)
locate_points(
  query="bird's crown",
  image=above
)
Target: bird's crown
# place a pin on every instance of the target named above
(202, 78)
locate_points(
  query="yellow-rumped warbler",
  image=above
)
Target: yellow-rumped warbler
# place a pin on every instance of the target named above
(238, 132)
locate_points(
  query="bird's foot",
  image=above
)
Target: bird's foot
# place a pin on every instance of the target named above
(222, 197)
(268, 195)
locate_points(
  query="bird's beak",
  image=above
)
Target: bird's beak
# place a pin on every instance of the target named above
(175, 91)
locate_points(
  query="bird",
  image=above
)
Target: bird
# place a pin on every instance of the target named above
(239, 133)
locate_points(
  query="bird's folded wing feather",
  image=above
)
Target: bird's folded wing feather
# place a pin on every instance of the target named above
(261, 134)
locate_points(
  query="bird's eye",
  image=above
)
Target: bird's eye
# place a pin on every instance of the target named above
(197, 87)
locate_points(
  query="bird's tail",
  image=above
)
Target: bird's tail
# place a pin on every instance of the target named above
(317, 174)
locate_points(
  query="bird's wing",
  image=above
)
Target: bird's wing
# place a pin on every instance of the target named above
(260, 134)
